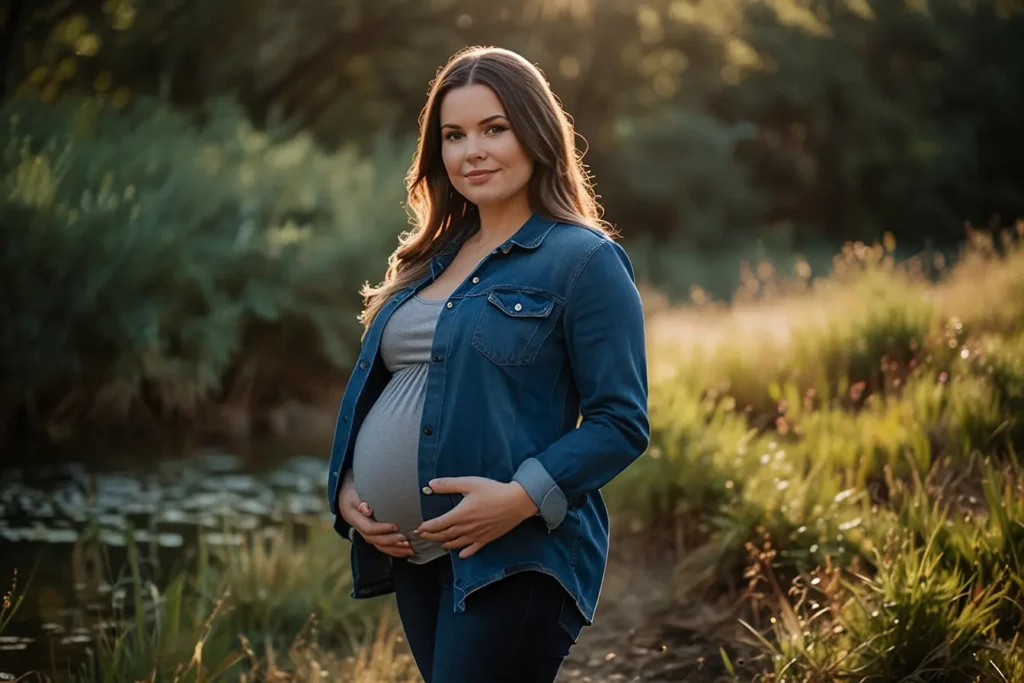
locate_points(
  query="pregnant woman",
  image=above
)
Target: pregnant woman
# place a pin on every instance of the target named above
(502, 381)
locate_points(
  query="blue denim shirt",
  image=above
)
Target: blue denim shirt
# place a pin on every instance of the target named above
(538, 375)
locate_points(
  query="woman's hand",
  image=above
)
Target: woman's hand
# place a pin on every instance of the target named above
(381, 535)
(489, 510)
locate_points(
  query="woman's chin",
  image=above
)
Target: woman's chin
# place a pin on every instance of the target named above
(483, 198)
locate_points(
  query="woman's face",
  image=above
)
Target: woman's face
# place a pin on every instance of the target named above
(483, 158)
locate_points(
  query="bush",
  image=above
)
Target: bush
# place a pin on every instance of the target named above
(153, 263)
(912, 621)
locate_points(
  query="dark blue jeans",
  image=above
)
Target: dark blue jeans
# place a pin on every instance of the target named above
(515, 630)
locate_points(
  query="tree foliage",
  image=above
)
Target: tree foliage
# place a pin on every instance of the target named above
(705, 120)
(150, 265)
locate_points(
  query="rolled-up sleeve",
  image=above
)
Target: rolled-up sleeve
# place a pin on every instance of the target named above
(543, 490)
(604, 332)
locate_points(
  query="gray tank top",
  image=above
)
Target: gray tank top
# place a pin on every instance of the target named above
(386, 457)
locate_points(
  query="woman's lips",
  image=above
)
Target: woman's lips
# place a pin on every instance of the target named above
(479, 177)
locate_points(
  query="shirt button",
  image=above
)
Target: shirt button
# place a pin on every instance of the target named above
(428, 431)
(427, 490)
(518, 307)
(450, 304)
(362, 365)
(438, 359)
(476, 280)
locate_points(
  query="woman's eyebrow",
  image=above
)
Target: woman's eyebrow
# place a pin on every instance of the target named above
(482, 121)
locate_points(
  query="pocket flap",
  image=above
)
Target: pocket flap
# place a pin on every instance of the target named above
(520, 303)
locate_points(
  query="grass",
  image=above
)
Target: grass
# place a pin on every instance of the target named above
(10, 603)
(270, 609)
(942, 603)
(276, 582)
(847, 459)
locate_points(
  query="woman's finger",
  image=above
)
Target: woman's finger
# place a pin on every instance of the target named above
(459, 542)
(443, 535)
(365, 508)
(471, 550)
(388, 540)
(368, 527)
(396, 551)
(451, 532)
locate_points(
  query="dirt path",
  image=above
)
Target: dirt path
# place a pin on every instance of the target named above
(642, 634)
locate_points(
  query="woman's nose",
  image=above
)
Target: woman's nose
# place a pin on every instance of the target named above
(473, 147)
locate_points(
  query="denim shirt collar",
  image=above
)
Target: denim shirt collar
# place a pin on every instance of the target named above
(530, 236)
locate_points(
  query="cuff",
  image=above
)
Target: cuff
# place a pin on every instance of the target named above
(343, 528)
(539, 485)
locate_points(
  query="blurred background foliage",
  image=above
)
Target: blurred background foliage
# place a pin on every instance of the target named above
(194, 191)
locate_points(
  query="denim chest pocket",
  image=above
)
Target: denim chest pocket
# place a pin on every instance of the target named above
(513, 324)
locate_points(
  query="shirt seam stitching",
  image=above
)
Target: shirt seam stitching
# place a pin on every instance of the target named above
(584, 262)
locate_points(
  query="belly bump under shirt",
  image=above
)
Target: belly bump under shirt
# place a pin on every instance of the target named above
(386, 457)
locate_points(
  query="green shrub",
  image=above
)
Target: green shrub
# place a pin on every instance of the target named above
(872, 331)
(888, 431)
(724, 487)
(1005, 662)
(276, 582)
(697, 447)
(980, 533)
(985, 288)
(917, 620)
(234, 609)
(999, 362)
(159, 263)
(913, 621)
(178, 633)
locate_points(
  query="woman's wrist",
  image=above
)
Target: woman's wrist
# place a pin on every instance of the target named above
(526, 506)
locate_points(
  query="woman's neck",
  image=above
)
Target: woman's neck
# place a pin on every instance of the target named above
(501, 221)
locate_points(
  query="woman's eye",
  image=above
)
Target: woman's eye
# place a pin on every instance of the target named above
(495, 129)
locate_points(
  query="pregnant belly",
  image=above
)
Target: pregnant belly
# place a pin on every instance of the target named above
(388, 502)
(385, 459)
(385, 472)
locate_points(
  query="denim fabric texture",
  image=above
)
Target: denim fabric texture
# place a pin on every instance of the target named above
(517, 630)
(539, 375)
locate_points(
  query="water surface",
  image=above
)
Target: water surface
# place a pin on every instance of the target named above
(54, 507)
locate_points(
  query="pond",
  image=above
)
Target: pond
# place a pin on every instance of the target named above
(63, 524)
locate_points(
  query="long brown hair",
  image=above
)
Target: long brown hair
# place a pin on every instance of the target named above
(558, 190)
